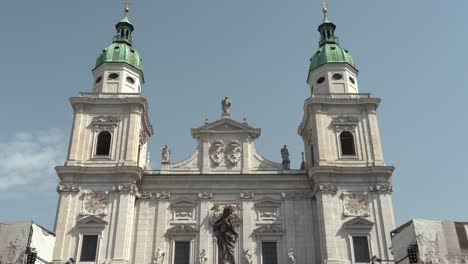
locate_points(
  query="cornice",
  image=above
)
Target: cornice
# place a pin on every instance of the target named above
(326, 170)
(136, 173)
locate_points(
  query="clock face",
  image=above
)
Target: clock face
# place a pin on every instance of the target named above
(95, 204)
(355, 205)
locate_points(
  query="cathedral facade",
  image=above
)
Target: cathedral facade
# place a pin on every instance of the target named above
(225, 204)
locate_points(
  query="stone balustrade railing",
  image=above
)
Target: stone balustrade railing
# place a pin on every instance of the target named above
(110, 95)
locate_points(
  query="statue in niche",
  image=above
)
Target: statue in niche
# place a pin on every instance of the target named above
(225, 231)
(291, 257)
(165, 154)
(226, 106)
(285, 156)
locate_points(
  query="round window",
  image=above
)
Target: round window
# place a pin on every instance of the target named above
(351, 79)
(99, 79)
(321, 80)
(113, 76)
(337, 76)
(130, 80)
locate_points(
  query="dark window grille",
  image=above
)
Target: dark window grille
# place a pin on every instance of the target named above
(103, 143)
(182, 253)
(89, 248)
(347, 144)
(269, 253)
(361, 249)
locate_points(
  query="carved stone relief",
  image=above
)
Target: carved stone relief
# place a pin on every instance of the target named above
(205, 195)
(233, 152)
(344, 123)
(267, 210)
(130, 188)
(68, 188)
(247, 195)
(217, 152)
(163, 195)
(105, 122)
(270, 229)
(355, 204)
(382, 188)
(247, 257)
(327, 188)
(183, 210)
(94, 203)
(182, 230)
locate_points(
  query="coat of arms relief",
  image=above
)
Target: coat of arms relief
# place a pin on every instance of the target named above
(219, 152)
(355, 204)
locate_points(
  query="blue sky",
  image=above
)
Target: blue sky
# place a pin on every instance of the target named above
(409, 53)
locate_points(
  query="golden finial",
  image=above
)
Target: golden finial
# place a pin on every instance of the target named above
(324, 8)
(126, 9)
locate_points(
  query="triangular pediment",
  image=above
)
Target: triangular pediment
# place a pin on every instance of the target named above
(91, 221)
(226, 125)
(359, 223)
(182, 229)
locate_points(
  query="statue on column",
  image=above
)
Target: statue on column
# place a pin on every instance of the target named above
(225, 231)
(165, 154)
(226, 106)
(285, 156)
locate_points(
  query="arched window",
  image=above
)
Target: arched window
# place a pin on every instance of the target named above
(103, 143)
(347, 144)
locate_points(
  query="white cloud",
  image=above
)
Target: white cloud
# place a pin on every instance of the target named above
(30, 157)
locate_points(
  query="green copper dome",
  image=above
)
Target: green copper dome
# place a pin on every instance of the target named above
(121, 50)
(329, 50)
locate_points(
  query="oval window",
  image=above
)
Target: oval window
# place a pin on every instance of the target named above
(130, 80)
(321, 80)
(113, 76)
(351, 79)
(99, 79)
(337, 76)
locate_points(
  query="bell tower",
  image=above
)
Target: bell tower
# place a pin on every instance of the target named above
(100, 179)
(344, 159)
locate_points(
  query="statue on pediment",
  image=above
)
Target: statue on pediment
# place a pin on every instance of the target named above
(165, 154)
(285, 156)
(226, 106)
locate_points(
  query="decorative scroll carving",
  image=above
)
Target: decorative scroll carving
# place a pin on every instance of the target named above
(163, 195)
(183, 210)
(159, 256)
(105, 122)
(247, 257)
(217, 152)
(355, 204)
(205, 195)
(267, 210)
(144, 195)
(68, 188)
(382, 188)
(94, 203)
(225, 230)
(273, 229)
(233, 152)
(130, 188)
(247, 195)
(344, 123)
(327, 188)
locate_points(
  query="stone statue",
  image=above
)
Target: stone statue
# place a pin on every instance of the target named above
(203, 257)
(225, 231)
(165, 154)
(285, 155)
(226, 106)
(291, 257)
(247, 257)
(159, 257)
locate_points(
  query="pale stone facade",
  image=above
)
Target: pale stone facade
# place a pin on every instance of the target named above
(139, 214)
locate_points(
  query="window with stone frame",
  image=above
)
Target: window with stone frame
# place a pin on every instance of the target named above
(269, 252)
(361, 249)
(103, 143)
(181, 252)
(89, 248)
(347, 144)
